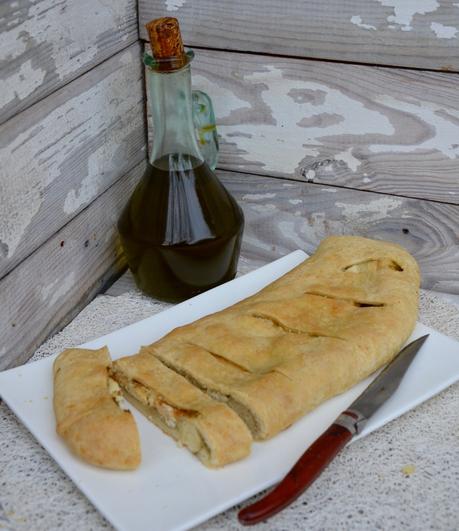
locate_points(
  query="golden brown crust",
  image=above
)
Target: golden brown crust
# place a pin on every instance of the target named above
(208, 428)
(87, 415)
(312, 334)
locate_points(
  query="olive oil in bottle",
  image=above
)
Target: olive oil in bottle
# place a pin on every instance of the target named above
(181, 229)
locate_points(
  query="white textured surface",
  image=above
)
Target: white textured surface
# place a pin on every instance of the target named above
(405, 476)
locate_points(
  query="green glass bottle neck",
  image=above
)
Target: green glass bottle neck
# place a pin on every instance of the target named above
(170, 99)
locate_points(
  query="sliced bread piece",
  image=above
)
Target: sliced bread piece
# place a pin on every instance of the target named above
(209, 429)
(88, 415)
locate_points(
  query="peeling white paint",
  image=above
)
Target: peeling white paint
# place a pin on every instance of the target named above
(289, 231)
(405, 10)
(374, 210)
(253, 241)
(37, 154)
(256, 197)
(92, 183)
(310, 174)
(357, 119)
(47, 290)
(318, 225)
(443, 32)
(444, 132)
(53, 292)
(366, 180)
(332, 190)
(21, 83)
(127, 58)
(224, 100)
(357, 20)
(348, 158)
(173, 5)
(72, 41)
(295, 201)
(264, 209)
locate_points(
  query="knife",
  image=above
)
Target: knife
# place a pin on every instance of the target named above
(316, 458)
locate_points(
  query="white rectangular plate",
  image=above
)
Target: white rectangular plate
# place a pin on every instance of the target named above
(172, 489)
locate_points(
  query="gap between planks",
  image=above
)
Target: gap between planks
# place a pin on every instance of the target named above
(317, 59)
(66, 83)
(63, 275)
(67, 163)
(70, 220)
(282, 216)
(390, 35)
(40, 61)
(306, 181)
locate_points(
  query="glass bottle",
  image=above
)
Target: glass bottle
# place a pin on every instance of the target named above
(181, 229)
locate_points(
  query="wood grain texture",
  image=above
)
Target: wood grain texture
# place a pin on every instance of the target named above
(412, 33)
(385, 130)
(52, 285)
(282, 216)
(60, 154)
(46, 43)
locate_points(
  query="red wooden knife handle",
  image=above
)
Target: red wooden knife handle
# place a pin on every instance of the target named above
(303, 473)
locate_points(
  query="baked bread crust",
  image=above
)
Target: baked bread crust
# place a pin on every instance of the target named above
(312, 334)
(88, 416)
(209, 429)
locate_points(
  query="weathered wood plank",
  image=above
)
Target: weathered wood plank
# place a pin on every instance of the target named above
(386, 130)
(282, 216)
(412, 33)
(46, 43)
(51, 286)
(60, 154)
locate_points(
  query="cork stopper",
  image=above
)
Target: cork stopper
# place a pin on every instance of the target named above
(166, 42)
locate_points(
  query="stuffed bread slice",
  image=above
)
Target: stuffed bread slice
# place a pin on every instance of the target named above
(88, 415)
(308, 336)
(209, 429)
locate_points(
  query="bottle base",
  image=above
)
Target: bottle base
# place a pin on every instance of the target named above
(176, 298)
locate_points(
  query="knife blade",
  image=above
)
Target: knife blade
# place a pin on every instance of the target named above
(316, 458)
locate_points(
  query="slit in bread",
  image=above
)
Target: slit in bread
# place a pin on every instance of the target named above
(311, 334)
(209, 429)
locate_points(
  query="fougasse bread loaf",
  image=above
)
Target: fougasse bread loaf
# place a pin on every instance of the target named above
(88, 414)
(314, 333)
(209, 429)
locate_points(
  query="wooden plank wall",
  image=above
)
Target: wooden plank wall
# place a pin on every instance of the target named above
(335, 117)
(312, 144)
(45, 44)
(409, 33)
(72, 146)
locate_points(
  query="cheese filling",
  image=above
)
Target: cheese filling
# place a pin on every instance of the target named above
(175, 420)
(167, 413)
(115, 391)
